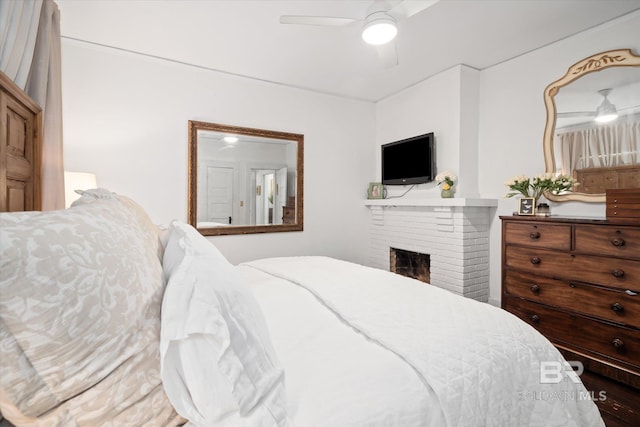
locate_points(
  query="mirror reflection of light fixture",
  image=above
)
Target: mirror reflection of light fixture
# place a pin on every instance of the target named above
(230, 139)
(606, 111)
(379, 28)
(77, 181)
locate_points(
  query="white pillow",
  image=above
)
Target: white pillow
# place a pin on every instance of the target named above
(217, 362)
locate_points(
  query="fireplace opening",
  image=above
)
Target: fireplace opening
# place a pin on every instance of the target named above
(411, 264)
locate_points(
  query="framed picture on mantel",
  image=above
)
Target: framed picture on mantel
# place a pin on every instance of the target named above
(526, 206)
(376, 191)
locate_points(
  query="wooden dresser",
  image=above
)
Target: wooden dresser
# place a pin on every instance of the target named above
(598, 180)
(578, 282)
(289, 211)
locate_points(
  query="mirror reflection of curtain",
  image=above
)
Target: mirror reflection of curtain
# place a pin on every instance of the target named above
(609, 145)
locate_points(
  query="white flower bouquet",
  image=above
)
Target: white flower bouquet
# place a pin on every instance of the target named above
(535, 187)
(447, 178)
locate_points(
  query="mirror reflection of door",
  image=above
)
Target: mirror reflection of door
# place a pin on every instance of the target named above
(261, 202)
(270, 187)
(268, 182)
(219, 195)
(280, 198)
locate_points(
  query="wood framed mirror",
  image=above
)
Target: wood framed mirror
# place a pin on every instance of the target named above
(599, 155)
(244, 180)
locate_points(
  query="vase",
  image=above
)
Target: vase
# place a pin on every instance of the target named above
(446, 194)
(543, 209)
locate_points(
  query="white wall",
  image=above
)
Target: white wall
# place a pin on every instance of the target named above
(445, 104)
(125, 119)
(425, 107)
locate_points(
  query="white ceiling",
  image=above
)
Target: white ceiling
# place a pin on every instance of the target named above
(245, 37)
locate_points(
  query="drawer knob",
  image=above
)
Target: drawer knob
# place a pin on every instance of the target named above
(618, 273)
(535, 289)
(534, 235)
(535, 318)
(617, 307)
(617, 241)
(617, 343)
(535, 260)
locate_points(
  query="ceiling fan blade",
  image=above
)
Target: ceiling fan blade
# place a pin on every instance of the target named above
(388, 54)
(408, 8)
(576, 114)
(629, 110)
(327, 21)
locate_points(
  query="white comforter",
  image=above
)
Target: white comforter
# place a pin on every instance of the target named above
(481, 363)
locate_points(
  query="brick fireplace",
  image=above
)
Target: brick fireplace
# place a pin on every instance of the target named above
(453, 232)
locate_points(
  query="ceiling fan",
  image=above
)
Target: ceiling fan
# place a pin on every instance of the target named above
(605, 112)
(378, 25)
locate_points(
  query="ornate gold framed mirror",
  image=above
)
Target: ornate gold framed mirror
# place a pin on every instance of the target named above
(600, 155)
(244, 180)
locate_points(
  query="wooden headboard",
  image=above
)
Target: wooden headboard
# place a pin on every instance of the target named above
(20, 149)
(598, 180)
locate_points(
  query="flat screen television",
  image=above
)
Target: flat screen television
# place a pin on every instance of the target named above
(409, 161)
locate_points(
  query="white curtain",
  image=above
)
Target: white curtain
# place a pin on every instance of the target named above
(609, 145)
(30, 54)
(18, 30)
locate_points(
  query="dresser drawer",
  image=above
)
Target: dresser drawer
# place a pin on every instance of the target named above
(607, 240)
(539, 235)
(581, 333)
(609, 304)
(623, 205)
(619, 273)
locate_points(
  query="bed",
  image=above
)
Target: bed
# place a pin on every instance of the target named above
(107, 319)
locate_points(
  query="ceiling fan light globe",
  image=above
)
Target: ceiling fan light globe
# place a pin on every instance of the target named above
(380, 29)
(606, 112)
(605, 118)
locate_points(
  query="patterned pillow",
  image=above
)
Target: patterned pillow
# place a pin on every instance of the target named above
(137, 212)
(80, 296)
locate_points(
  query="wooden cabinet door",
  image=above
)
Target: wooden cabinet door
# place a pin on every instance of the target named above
(20, 149)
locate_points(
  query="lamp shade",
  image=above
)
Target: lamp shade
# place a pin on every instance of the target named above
(379, 28)
(77, 181)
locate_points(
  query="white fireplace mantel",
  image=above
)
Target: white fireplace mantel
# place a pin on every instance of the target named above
(454, 232)
(432, 201)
